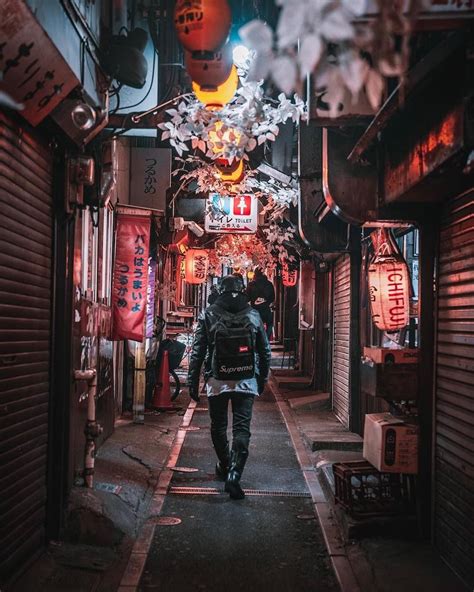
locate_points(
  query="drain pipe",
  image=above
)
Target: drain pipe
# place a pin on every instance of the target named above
(93, 429)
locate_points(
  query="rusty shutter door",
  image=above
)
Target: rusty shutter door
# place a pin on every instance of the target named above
(25, 341)
(341, 343)
(454, 423)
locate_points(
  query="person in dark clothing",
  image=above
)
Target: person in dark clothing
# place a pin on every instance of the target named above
(231, 304)
(213, 294)
(261, 294)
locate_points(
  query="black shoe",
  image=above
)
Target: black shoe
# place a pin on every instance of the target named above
(232, 487)
(221, 471)
(237, 464)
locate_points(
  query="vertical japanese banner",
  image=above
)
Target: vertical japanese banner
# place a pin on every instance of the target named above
(130, 276)
(150, 299)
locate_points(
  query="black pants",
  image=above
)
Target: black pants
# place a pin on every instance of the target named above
(242, 405)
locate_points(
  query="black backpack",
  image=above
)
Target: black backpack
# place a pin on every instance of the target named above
(233, 357)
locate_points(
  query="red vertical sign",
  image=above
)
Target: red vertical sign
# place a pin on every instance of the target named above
(130, 276)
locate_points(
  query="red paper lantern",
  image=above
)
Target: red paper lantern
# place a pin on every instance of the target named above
(202, 25)
(216, 99)
(209, 70)
(289, 276)
(196, 266)
(389, 292)
(230, 173)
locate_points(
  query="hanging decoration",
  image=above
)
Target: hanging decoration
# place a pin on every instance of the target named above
(130, 273)
(196, 266)
(389, 284)
(289, 276)
(215, 99)
(253, 119)
(209, 70)
(230, 173)
(323, 39)
(202, 25)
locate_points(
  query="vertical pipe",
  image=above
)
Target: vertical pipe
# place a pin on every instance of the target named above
(139, 384)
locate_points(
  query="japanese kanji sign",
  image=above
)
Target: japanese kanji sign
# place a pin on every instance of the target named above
(33, 71)
(130, 276)
(232, 214)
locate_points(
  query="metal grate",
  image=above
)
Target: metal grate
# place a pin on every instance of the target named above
(253, 492)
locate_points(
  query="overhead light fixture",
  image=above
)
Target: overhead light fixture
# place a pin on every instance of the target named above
(83, 116)
(240, 54)
(124, 60)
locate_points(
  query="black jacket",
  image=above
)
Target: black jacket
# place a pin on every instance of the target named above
(262, 287)
(204, 338)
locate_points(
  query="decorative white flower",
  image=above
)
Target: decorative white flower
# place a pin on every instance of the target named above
(236, 129)
(312, 35)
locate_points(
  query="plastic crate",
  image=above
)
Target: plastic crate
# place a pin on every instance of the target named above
(363, 491)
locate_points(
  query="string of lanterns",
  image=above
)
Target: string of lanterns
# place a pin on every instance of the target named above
(203, 27)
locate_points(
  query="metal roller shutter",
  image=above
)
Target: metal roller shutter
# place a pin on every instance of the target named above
(341, 342)
(454, 423)
(26, 230)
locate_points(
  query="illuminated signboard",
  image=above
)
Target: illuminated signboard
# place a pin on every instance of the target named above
(231, 214)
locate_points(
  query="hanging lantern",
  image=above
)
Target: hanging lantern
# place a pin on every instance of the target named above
(222, 133)
(219, 97)
(202, 25)
(196, 266)
(289, 276)
(230, 173)
(209, 70)
(389, 286)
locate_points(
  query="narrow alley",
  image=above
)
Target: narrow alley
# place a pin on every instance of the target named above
(236, 295)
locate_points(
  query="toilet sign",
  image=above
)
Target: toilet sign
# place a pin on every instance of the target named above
(236, 214)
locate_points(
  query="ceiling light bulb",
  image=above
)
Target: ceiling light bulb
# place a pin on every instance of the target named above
(240, 54)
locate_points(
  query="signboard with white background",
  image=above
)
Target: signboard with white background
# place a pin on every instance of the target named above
(232, 214)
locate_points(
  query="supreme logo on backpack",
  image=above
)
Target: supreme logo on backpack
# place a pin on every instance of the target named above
(233, 357)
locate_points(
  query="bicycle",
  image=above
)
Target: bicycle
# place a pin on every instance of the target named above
(176, 351)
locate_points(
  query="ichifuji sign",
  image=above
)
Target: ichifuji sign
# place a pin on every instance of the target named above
(231, 214)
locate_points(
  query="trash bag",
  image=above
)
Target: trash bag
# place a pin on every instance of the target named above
(175, 351)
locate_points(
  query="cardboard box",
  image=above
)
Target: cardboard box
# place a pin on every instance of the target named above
(387, 355)
(391, 444)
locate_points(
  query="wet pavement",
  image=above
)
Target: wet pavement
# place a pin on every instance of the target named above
(269, 541)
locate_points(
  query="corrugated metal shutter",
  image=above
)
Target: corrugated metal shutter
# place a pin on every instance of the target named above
(25, 340)
(341, 343)
(454, 444)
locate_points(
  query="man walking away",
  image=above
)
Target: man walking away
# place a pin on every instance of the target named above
(261, 294)
(231, 340)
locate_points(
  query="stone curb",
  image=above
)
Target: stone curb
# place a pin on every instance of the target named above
(136, 562)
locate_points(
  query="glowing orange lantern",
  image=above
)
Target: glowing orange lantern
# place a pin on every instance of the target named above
(202, 25)
(230, 173)
(389, 292)
(209, 70)
(289, 276)
(216, 99)
(196, 266)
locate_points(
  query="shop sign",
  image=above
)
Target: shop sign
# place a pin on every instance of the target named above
(236, 214)
(196, 265)
(33, 71)
(150, 177)
(389, 284)
(430, 7)
(150, 299)
(289, 276)
(130, 282)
